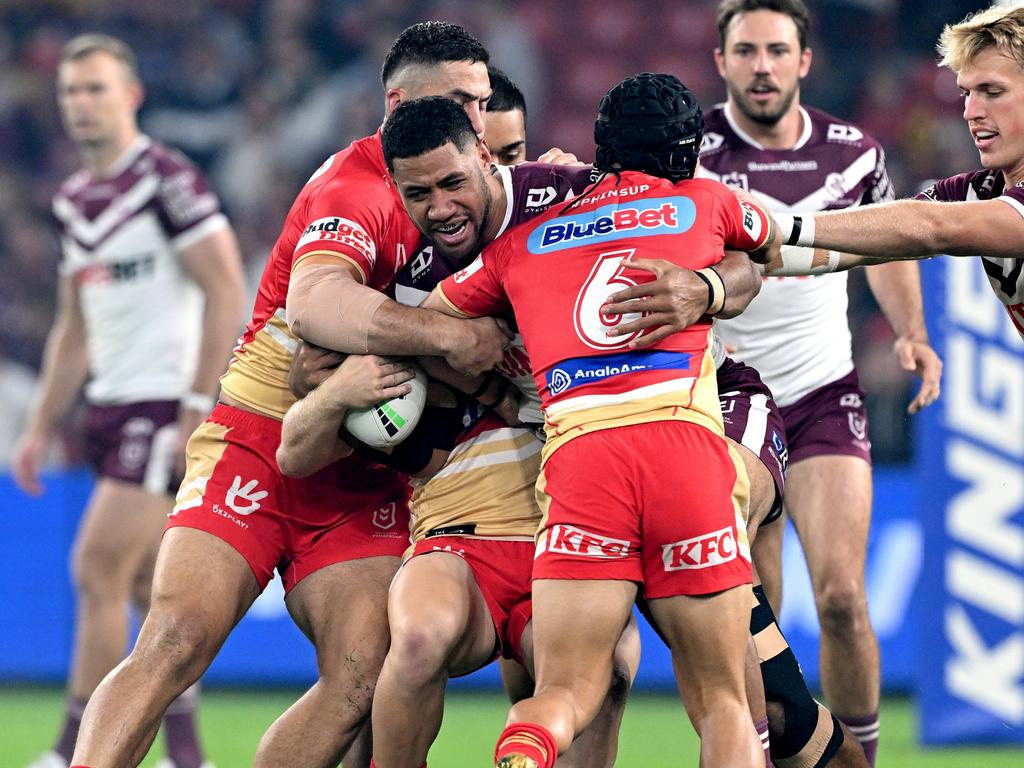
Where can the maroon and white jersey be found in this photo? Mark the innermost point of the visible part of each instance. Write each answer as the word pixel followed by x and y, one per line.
pixel 1005 275
pixel 530 189
pixel 795 333
pixel 121 236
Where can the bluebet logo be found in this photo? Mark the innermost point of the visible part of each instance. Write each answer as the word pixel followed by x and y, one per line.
pixel 586 370
pixel 639 218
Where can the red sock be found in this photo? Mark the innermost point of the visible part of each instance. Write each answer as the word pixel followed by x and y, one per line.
pixel 529 739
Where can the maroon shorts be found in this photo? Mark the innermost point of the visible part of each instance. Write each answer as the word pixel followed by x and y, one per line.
pixel 234 490
pixel 134 443
pixel 829 421
pixel 660 504
pixel 753 420
pixel 502 570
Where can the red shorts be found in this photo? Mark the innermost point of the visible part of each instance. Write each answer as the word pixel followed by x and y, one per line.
pixel 661 504
pixel 234 490
pixel 502 569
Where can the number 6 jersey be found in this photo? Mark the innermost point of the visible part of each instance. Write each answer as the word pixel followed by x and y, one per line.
pixel 557 271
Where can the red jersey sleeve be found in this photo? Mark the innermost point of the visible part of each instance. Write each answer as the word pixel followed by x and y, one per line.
pixel 348 218
pixel 478 289
pixel 745 227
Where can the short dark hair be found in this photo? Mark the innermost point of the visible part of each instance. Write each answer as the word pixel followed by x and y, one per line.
pixel 795 9
pixel 420 125
pixel 505 95
pixel 432 42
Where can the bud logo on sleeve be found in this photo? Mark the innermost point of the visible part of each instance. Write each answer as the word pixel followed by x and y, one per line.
pixel 341 231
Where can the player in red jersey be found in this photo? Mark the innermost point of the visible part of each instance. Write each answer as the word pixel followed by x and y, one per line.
pixel 972 214
pixel 612 416
pixel 335 537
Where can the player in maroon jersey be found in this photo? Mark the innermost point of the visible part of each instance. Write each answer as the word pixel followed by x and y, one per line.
pixel 597 395
pixel 971 214
pixel 144 243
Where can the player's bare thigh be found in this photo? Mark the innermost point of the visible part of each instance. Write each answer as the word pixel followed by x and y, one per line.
pixel 829 501
pixel 762 488
pixel 119 533
pixel 437 612
pixel 342 610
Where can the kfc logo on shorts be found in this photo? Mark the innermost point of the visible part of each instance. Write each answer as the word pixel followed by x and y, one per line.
pixel 570 540
pixel 340 231
pixel 386 517
pixel 704 551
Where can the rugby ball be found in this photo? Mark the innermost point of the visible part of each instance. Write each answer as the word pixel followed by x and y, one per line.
pixel 389 422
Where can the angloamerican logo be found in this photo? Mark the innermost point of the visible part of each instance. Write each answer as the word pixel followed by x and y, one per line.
pixel 584 370
pixel 637 218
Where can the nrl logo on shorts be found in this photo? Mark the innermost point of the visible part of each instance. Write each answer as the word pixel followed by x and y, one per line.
pixel 386 517
pixel 858 426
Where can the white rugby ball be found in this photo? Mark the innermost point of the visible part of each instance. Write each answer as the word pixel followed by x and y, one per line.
pixel 391 421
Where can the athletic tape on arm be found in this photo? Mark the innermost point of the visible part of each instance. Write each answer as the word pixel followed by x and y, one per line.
pixel 801 260
pixel 328 307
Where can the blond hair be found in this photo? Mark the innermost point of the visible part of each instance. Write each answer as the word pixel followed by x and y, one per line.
pixel 1000 27
pixel 94 42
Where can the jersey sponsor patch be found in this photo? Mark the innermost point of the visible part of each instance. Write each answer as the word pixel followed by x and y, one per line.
pixel 753 221
pixel 704 551
pixel 586 370
pixel 640 218
pixel 340 231
pixel 474 266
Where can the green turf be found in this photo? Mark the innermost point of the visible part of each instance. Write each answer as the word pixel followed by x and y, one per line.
pixel 655 733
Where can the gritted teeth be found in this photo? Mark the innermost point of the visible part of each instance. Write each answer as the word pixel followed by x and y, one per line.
pixel 451 227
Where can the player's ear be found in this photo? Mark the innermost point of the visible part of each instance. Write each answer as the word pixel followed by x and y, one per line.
pixel 484 153
pixel 392 99
pixel 805 62
pixel 720 61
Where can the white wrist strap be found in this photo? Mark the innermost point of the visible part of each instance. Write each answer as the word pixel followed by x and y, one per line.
pixel 197 401
pixel 795 230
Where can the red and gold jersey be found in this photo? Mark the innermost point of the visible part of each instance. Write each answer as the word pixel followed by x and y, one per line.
pixel 348 209
pixel 557 271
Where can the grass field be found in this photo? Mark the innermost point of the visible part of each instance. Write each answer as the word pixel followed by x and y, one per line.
pixel 655 733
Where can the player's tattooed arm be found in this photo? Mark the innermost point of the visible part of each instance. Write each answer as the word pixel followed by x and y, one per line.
pixel 309 434
pixel 679 297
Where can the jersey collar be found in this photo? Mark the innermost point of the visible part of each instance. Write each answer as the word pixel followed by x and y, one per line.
pixel 130 155
pixel 506 180
pixel 805 133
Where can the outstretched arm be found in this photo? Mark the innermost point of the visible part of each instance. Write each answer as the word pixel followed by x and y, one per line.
pixel 910 229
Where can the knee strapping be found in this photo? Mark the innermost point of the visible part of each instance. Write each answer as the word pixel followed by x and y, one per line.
pixel 807 736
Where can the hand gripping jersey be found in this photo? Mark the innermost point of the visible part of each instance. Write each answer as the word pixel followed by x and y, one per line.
pixel 488 480
pixel 795 332
pixel 121 236
pixel 1005 275
pixel 557 271
pixel 349 209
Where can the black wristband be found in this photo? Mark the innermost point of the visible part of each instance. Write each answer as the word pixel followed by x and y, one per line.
pixel 794 234
pixel 711 290
pixel 488 378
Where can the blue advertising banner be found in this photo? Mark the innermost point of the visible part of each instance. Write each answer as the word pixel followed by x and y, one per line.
pixel 267 649
pixel 971 665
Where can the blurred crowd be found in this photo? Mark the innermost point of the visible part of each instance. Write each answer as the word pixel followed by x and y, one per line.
pixel 258 92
